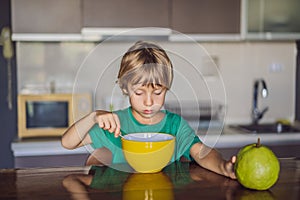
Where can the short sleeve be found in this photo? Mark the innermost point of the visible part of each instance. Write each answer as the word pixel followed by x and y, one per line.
pixel 102 138
pixel 95 133
pixel 185 139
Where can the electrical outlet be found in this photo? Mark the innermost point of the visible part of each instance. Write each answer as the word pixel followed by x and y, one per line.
pixel 276 68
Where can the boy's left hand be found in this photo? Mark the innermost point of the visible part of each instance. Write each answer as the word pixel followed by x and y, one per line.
pixel 229 167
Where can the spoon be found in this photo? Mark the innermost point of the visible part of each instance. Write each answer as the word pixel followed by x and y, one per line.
pixel 121 134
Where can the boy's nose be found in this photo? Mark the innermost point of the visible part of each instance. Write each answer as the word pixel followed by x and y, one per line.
pixel 148 100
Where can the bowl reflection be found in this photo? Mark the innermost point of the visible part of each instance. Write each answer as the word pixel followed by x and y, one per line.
pixel 148 186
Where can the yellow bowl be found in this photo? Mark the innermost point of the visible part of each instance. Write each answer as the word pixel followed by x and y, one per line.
pixel 148 152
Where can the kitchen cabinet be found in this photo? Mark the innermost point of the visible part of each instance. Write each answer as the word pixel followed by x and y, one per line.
pixel 281 151
pixel 206 16
pixel 128 14
pixel 231 141
pixel 47 17
pixel 272 19
pixel 47 152
pixel 204 20
pixel 50 161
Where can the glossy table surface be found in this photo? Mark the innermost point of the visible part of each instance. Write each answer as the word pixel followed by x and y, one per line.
pixel 176 181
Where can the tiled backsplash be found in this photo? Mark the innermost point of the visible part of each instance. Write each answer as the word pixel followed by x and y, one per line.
pixel 88 67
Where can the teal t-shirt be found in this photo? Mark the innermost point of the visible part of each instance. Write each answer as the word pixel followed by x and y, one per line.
pixel 172 124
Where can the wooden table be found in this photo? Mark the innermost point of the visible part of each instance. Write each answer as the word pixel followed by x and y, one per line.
pixel 177 181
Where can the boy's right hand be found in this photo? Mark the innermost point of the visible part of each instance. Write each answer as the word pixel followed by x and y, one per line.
pixel 108 121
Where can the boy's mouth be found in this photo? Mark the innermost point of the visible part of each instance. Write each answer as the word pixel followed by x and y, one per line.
pixel 148 111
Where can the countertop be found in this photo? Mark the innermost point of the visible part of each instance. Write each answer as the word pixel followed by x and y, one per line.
pixel 44 147
pixel 227 138
pixel 230 137
pixel 176 181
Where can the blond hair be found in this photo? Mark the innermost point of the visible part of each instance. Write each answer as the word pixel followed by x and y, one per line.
pixel 145 63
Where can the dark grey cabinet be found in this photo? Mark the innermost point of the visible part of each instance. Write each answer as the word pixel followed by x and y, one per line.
pixel 128 14
pixel 45 16
pixel 269 19
pixel 70 16
pixel 51 161
pixel 206 16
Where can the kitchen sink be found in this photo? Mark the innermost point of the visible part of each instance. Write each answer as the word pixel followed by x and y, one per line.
pixel 266 128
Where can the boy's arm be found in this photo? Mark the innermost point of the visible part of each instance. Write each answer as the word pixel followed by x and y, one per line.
pixel 77 134
pixel 212 160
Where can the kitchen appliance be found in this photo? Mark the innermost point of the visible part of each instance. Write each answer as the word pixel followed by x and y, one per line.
pixel 201 115
pixel 46 115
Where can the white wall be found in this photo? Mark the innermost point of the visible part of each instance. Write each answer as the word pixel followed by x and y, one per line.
pixel 87 67
pixel 242 63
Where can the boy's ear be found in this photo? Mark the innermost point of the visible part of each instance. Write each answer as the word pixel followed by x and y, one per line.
pixel 125 91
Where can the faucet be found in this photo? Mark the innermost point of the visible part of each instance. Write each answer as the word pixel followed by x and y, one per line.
pixel 256 113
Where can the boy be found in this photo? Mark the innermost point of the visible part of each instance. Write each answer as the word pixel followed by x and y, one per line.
pixel 145 75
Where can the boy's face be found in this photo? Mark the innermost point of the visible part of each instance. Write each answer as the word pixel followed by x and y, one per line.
pixel 146 102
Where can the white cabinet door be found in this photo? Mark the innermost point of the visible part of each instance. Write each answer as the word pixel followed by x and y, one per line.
pixel 272 19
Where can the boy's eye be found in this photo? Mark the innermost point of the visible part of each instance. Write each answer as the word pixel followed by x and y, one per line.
pixel 138 92
pixel 157 92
